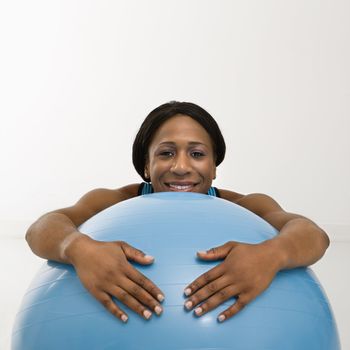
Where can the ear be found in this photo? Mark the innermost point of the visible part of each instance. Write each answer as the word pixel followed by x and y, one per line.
pixel 214 174
pixel 146 172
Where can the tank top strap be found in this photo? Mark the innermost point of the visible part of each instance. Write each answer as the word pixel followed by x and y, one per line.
pixel 145 188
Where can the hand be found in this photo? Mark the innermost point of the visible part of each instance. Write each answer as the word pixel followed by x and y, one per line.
pixel 104 270
pixel 247 270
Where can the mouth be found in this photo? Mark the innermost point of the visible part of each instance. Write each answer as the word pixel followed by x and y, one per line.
pixel 181 187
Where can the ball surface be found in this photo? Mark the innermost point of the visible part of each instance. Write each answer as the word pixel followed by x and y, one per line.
pixel 58 313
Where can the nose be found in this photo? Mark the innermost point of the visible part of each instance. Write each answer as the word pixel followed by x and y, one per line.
pixel 181 164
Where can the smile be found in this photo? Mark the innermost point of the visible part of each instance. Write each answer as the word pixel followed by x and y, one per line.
pixel 180 187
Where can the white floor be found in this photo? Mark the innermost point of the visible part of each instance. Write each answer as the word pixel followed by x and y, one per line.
pixel 18 265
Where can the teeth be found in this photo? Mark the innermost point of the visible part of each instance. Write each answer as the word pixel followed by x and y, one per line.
pixel 180 187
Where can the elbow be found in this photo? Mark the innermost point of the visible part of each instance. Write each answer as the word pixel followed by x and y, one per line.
pixel 317 231
pixel 322 240
pixel 325 239
pixel 29 234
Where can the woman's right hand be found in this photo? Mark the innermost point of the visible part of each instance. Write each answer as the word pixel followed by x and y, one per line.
pixel 104 270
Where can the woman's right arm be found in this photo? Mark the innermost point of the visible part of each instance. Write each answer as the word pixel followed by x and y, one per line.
pixel 103 267
pixel 51 235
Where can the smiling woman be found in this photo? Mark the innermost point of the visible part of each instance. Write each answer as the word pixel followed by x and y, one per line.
pixel 205 126
pixel 177 148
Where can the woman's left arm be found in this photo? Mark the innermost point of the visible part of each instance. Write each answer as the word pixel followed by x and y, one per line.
pixel 300 240
pixel 248 269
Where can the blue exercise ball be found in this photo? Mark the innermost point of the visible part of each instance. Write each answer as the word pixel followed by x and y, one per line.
pixel 58 313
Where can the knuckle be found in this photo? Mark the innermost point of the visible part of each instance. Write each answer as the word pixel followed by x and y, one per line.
pixel 123 297
pixel 141 282
pixel 153 290
pixel 223 294
pixel 213 250
pixel 232 290
pixel 139 253
pixel 151 302
pixel 135 290
pixel 212 287
pixel 106 302
pixel 113 308
pixel 207 276
pixel 241 303
pixel 116 312
pixel 147 283
pixel 92 287
pixel 194 286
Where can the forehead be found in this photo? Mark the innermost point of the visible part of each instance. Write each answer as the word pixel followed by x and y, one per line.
pixel 181 128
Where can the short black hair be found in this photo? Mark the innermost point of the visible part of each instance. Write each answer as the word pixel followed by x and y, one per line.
pixel 160 115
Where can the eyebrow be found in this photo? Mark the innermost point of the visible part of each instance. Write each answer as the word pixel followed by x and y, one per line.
pixel 192 143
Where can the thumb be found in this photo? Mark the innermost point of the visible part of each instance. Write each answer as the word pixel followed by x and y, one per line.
pixel 216 253
pixel 136 255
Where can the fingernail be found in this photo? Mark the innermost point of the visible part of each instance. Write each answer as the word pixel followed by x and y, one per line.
pixel 202 252
pixel 187 291
pixel 158 310
pixel 198 311
pixel 188 305
pixel 221 318
pixel 124 318
pixel 160 297
pixel 147 314
pixel 149 257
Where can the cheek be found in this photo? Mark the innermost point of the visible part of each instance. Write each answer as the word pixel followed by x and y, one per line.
pixel 158 167
pixel 206 171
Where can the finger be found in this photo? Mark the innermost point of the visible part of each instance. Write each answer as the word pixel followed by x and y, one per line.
pixel 216 299
pixel 240 304
pixel 207 291
pixel 128 300
pixel 145 283
pixel 216 253
pixel 136 255
pixel 143 297
pixel 106 300
pixel 204 279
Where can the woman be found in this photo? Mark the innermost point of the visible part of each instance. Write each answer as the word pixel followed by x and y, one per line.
pixel 177 148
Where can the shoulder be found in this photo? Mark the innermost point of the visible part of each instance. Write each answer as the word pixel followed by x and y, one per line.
pixel 111 196
pixel 230 195
pixel 258 203
pixel 97 200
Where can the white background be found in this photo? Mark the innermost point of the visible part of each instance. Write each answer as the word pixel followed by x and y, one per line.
pixel 78 77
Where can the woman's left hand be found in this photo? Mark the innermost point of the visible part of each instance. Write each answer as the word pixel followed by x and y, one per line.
pixel 247 270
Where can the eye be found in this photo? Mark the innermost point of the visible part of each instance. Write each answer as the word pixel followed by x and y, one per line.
pixel 197 154
pixel 166 154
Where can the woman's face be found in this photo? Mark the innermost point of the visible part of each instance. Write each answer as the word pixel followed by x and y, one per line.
pixel 181 157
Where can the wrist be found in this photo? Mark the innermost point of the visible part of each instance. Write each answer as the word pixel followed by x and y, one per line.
pixel 71 246
pixel 277 250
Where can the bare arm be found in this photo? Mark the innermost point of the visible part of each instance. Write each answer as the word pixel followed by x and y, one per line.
pixel 51 236
pixel 248 269
pixel 300 241
pixel 102 267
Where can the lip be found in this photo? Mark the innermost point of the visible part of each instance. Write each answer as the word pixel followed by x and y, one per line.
pixel 178 186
